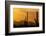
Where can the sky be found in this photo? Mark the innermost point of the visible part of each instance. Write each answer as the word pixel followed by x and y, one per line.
pixel 20 14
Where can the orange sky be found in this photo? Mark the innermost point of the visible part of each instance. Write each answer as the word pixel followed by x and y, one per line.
pixel 20 13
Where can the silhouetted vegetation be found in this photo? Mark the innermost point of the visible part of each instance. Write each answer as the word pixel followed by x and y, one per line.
pixel 26 24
